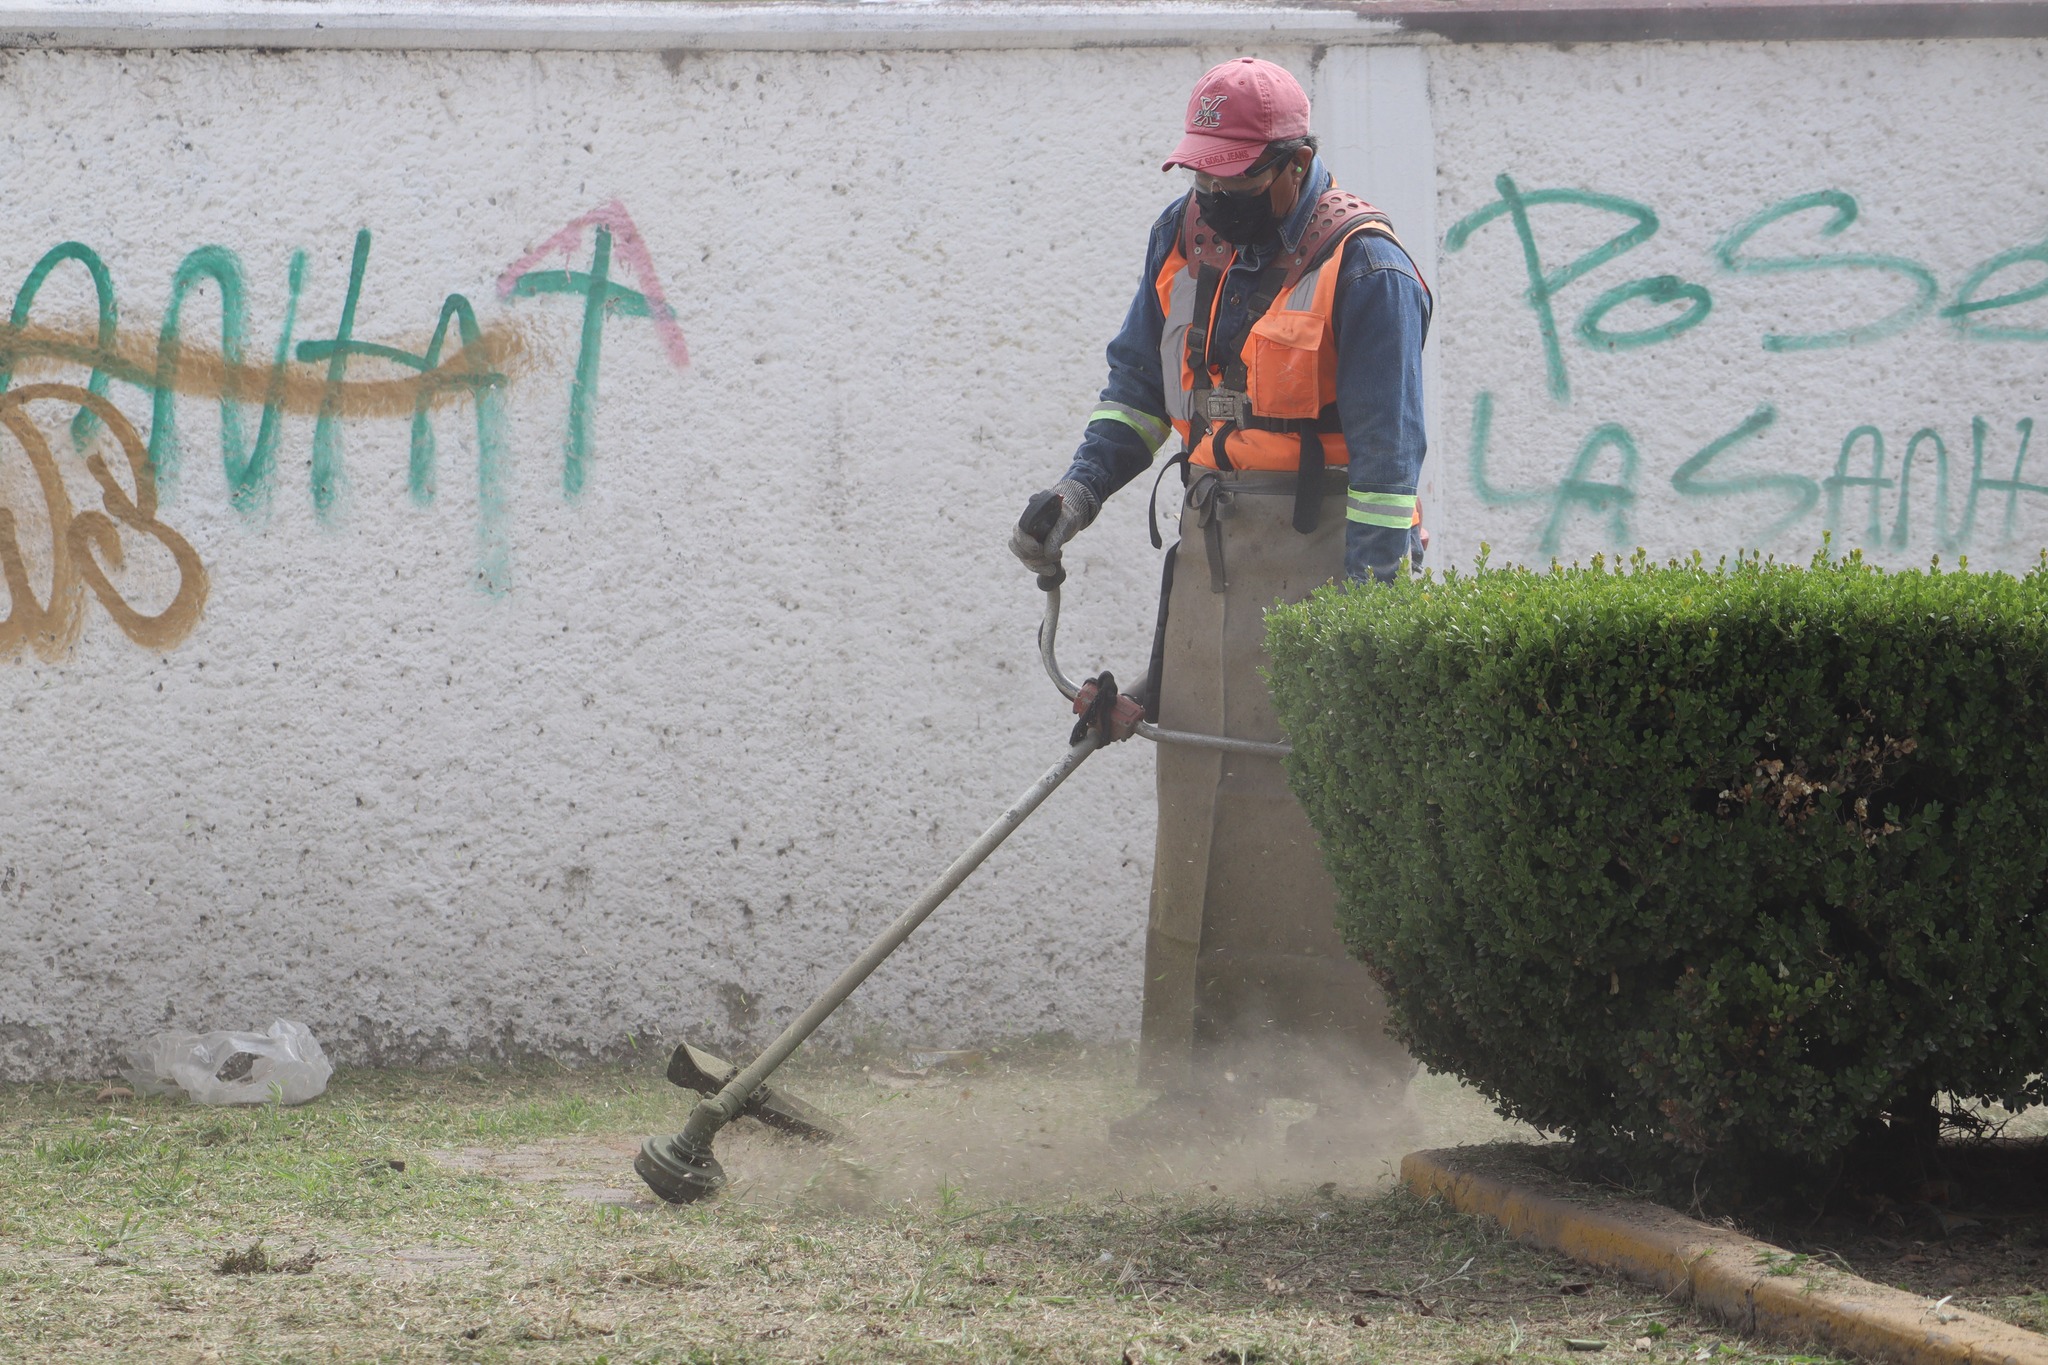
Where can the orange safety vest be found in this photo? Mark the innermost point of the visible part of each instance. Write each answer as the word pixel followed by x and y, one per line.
pixel 1267 405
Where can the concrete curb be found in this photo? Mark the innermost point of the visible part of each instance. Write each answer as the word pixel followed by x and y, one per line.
pixel 1727 1274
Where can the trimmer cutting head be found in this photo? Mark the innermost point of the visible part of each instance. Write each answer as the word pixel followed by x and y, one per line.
pixel 679 1171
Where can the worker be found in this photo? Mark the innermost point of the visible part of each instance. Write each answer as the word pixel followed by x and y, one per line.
pixel 1277 332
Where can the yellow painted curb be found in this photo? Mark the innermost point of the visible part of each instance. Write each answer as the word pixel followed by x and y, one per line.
pixel 1752 1286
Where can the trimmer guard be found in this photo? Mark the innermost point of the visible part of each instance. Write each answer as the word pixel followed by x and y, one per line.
pixel 693 1068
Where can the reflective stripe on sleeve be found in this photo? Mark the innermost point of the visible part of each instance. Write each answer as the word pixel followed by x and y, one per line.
pixel 1153 429
pixel 1381 509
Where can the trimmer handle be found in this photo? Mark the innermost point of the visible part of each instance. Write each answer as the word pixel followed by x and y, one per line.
pixel 1041 514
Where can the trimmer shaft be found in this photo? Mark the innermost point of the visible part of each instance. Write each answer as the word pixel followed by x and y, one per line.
pixel 681 1169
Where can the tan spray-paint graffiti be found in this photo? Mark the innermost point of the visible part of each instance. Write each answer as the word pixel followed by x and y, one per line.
pixel 83 544
pixel 303 389
pixel 460 362
pixel 51 627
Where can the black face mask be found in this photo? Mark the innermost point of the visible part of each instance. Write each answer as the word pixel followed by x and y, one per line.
pixel 1240 219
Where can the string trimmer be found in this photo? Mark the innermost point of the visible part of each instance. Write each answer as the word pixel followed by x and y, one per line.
pixel 682 1169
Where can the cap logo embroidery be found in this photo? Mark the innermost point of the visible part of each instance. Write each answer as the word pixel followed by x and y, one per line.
pixel 1210 115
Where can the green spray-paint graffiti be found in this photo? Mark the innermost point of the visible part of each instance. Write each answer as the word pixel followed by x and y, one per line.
pixel 248 471
pixel 1599 489
pixel 1842 212
pixel 313 376
pixel 1545 285
pixel 482 383
pixel 105 331
pixel 1773 502
pixel 1970 311
pixel 1948 536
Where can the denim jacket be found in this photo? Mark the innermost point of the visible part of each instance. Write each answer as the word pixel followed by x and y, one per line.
pixel 1382 318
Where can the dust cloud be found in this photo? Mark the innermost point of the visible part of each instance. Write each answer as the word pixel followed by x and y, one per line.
pixel 1035 1126
pixel 1080 1128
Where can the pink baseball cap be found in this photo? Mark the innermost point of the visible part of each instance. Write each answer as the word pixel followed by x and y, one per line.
pixel 1238 108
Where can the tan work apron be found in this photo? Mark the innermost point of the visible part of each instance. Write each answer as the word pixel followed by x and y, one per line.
pixel 1247 984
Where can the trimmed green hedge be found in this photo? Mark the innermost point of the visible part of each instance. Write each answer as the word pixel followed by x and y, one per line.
pixel 1723 872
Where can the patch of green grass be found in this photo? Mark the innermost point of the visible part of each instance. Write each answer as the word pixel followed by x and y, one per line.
pixel 72 1151
pixel 2029 1311
pixel 546 1118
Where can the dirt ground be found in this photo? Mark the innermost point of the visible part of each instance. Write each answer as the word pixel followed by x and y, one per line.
pixel 980 1214
pixel 1976 1233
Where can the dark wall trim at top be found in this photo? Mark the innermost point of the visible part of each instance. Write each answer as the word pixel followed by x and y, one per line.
pixel 1622 21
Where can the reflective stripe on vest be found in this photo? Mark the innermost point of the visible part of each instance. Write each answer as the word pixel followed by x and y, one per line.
pixel 1177 301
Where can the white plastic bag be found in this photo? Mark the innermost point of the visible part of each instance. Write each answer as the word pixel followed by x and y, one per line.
pixel 286 1065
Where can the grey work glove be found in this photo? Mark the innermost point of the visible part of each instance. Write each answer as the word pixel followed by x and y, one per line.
pixel 1077 509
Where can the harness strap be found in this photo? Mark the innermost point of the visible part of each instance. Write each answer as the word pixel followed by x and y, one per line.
pixel 1155 672
pixel 1207 498
pixel 1219 445
pixel 1337 215
pixel 1324 421
pixel 1200 343
pixel 1308 484
pixel 1235 373
pixel 1152 510
pixel 1208 284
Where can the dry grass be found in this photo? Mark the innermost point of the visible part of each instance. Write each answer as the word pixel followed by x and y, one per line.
pixel 980 1216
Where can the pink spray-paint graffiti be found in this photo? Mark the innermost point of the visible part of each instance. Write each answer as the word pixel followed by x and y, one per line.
pixel 613 227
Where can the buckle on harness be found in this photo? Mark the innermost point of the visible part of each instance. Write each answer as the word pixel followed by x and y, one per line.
pixel 1226 405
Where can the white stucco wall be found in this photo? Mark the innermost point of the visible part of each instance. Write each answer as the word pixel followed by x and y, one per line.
pixel 543 771
pixel 1930 155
